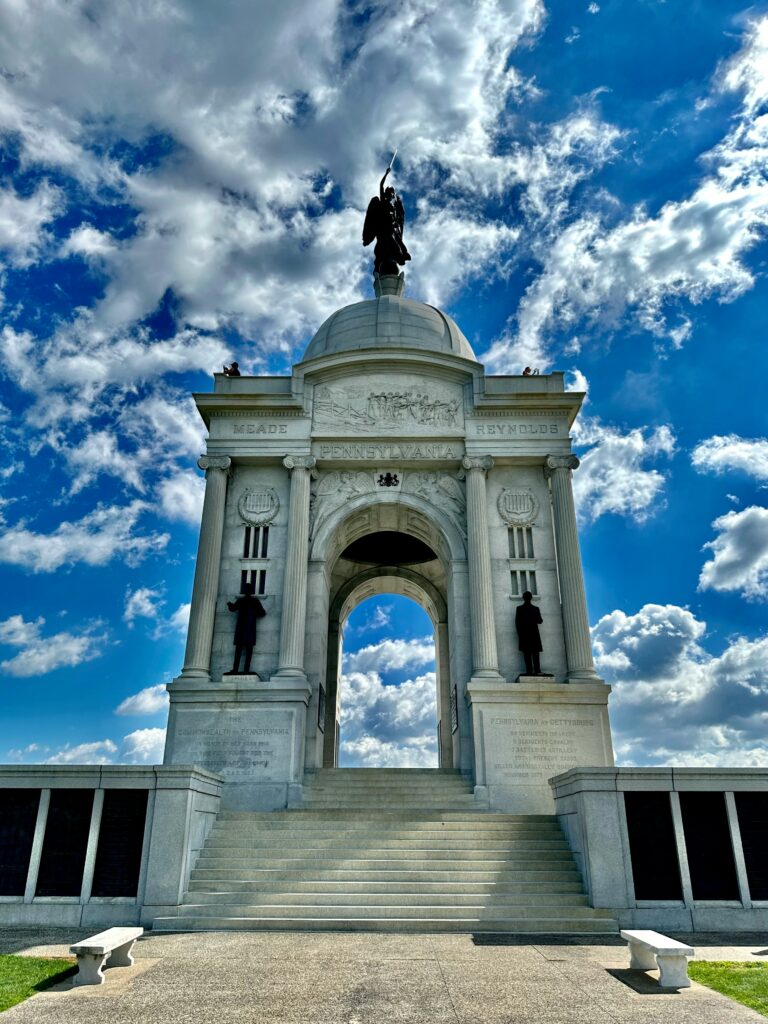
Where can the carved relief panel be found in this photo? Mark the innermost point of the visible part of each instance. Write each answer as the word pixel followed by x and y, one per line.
pixel 388 404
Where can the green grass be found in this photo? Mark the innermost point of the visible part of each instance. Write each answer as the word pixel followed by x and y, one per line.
pixel 22 976
pixel 747 983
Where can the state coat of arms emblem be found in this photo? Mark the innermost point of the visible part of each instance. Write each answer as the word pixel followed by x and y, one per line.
pixel 518 508
pixel 258 505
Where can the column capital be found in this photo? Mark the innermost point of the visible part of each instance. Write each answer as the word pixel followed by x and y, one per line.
pixel 483 462
pixel 555 462
pixel 207 462
pixel 299 462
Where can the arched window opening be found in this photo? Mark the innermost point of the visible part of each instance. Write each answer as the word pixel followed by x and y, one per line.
pixel 388 706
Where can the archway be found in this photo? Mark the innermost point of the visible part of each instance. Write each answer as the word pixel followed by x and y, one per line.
pixel 387 686
pixel 379 544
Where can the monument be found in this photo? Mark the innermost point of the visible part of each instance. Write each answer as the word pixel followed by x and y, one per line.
pixel 389 429
pixel 386 462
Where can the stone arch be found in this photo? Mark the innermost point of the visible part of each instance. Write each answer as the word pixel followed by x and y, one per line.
pixel 404 513
pixel 408 583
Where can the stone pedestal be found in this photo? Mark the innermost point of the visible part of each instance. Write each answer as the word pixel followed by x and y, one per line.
pixel 248 730
pixel 528 731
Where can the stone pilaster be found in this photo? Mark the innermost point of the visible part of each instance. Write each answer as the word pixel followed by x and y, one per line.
pixel 197 658
pixel 485 658
pixel 578 646
pixel 293 622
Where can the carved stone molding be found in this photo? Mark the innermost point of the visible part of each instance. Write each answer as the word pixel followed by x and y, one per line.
pixel 555 462
pixel 206 462
pixel 518 508
pixel 333 489
pixel 484 462
pixel 258 506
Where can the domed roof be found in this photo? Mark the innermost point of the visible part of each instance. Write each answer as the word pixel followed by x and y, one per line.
pixel 389 321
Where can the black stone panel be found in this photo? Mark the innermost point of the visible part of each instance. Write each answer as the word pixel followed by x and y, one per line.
pixel 752 812
pixel 65 843
pixel 708 844
pixel 18 814
pixel 121 837
pixel 655 869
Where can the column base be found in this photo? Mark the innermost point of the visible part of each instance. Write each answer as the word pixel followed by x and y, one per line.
pixel 584 676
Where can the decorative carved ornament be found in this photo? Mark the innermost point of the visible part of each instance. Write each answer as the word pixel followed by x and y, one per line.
pixel 518 508
pixel 441 490
pixel 555 462
pixel 206 462
pixel 258 506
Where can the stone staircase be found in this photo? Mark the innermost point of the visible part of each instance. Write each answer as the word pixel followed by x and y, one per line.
pixel 387 850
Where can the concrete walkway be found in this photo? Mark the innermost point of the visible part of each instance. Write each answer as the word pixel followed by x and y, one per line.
pixel 329 978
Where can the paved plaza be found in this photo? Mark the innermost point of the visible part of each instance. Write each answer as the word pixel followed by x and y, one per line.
pixel 332 978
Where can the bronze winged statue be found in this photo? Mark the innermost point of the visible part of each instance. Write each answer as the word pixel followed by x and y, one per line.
pixel 384 221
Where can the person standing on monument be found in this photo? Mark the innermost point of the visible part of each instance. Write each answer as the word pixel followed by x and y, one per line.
pixel 527 621
pixel 249 608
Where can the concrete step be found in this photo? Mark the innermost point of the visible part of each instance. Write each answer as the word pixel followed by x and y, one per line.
pixel 384 851
pixel 423 925
pixel 322 873
pixel 285 896
pixel 312 886
pixel 372 863
pixel 332 826
pixel 403 911
pixel 340 814
pixel 338 846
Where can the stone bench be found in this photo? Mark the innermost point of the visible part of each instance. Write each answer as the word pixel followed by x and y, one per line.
pixel 649 950
pixel 115 943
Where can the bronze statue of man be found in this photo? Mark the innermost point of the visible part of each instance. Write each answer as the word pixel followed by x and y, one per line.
pixel 527 622
pixel 384 221
pixel 249 608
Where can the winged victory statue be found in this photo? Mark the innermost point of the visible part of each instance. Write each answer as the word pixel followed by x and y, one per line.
pixel 384 221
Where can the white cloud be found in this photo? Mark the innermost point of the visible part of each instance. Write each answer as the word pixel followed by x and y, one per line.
pixel 144 746
pixel 22 221
pixel 614 476
pixel 144 602
pixel 181 497
pixel 39 654
pixel 675 703
pixel 388 726
pixel 89 242
pixel 98 752
pixel 149 701
pixel 388 655
pixel 96 539
pixel 740 559
pixel 179 621
pixel 99 452
pixel 722 453
pixel 692 248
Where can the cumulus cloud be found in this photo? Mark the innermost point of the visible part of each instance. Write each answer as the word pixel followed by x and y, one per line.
pixel 144 602
pixel 740 554
pixel 148 701
pixel 101 535
pixel 181 497
pixel 387 655
pixel 22 221
pixel 144 746
pixel 388 726
pixel 98 752
pixel 724 453
pixel 675 703
pixel 40 654
pixel 690 249
pixel 615 476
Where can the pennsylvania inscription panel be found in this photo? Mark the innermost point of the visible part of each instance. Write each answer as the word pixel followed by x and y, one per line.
pixel 241 745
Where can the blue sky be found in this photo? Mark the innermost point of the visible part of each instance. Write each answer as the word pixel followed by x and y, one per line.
pixel 184 183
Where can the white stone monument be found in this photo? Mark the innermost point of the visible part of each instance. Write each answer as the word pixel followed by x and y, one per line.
pixel 389 429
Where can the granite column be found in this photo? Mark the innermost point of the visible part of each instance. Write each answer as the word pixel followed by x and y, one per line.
pixel 485 659
pixel 197 658
pixel 294 616
pixel 578 646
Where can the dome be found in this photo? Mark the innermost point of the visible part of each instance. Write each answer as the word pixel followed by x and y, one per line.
pixel 391 322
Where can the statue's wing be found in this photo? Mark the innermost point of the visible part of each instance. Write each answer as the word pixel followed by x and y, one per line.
pixel 452 488
pixel 328 484
pixel 400 213
pixel 371 225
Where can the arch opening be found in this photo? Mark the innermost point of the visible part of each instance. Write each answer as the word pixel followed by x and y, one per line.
pixel 388 701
